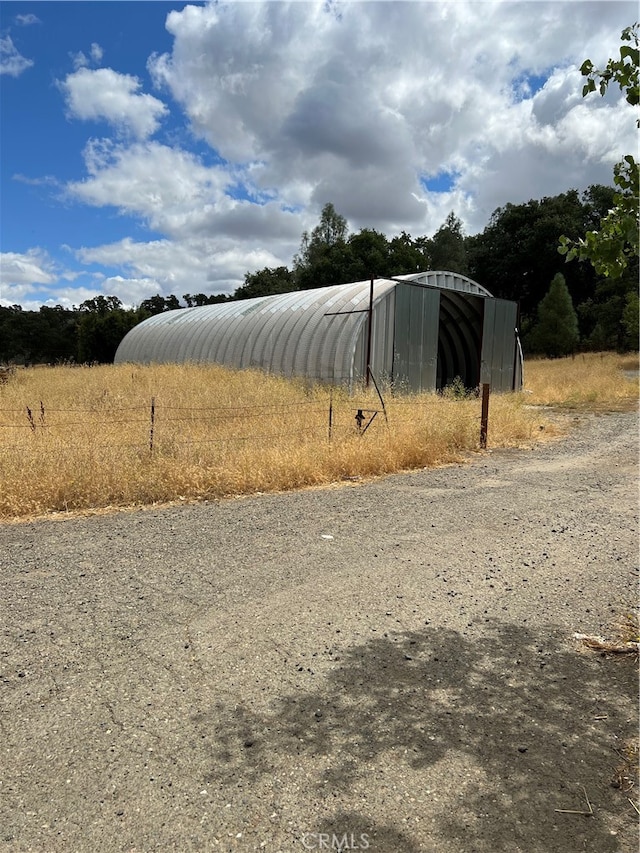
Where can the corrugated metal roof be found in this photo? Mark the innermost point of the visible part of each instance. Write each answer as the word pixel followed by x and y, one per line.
pixel 320 334
pixel 447 281
pixel 299 333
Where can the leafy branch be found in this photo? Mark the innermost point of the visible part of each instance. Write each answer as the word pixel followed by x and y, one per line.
pixel 615 244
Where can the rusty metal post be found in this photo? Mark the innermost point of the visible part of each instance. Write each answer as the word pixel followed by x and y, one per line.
pixel 369 335
pixel 484 418
pixel 153 423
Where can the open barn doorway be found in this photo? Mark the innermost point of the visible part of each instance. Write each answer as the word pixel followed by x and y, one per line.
pixel 460 325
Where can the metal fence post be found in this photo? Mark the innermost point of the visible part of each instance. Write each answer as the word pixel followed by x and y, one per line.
pixel 484 418
pixel 153 423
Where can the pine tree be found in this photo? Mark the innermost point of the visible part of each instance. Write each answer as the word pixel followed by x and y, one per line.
pixel 447 247
pixel 556 332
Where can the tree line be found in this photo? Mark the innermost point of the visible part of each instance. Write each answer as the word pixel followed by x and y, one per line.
pixel 515 257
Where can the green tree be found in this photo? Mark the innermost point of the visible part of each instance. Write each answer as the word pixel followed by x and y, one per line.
pixel 331 229
pixel 46 336
pixel 324 256
pixel 447 247
pixel 198 299
pixel 369 255
pixel 556 332
pixel 407 255
pixel 630 321
pixel 57 332
pixel 516 255
pixel 103 323
pixel 611 248
pixel 602 316
pixel 101 304
pixel 266 282
pixel 158 304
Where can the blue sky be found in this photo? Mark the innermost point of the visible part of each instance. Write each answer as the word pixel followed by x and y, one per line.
pixel 171 148
pixel 38 140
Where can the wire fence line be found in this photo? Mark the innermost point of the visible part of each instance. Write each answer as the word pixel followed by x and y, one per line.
pixel 156 424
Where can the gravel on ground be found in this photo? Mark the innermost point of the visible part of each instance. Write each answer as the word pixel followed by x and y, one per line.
pixel 386 665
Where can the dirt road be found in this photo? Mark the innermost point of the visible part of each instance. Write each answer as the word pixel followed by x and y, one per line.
pixel 386 666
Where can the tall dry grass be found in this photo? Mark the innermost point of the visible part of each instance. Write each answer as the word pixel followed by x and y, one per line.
pixel 80 438
pixel 596 381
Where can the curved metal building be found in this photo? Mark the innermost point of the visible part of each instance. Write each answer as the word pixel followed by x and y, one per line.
pixel 417 331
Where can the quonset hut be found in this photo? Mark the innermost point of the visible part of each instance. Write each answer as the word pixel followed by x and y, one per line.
pixel 418 331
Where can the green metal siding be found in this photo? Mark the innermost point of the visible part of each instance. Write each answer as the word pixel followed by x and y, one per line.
pixel 416 337
pixel 499 344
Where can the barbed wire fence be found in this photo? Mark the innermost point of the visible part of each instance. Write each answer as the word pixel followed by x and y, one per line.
pixel 200 425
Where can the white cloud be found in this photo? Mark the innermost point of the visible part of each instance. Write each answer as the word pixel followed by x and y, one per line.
pixel 32 267
pixel 165 186
pixel 300 104
pixel 81 60
pixel 104 94
pixel 22 273
pixel 175 194
pixel 186 266
pixel 41 181
pixel 96 53
pixel 27 20
pixel 130 291
pixel 353 104
pixel 11 61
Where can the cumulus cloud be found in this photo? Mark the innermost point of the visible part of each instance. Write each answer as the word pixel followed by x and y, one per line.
pixel 175 194
pixel 105 94
pixel 294 105
pixel 130 291
pixel 11 60
pixel 22 273
pixel 162 185
pixel 178 267
pixel 356 103
pixel 32 267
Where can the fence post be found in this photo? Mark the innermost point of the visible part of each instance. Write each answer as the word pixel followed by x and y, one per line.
pixel 484 418
pixel 330 412
pixel 153 423
pixel 369 333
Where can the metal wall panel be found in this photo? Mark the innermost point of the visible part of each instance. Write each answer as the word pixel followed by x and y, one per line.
pixel 499 345
pixel 384 333
pixel 382 338
pixel 417 314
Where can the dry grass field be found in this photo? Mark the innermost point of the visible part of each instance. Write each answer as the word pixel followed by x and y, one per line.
pixel 593 381
pixel 89 438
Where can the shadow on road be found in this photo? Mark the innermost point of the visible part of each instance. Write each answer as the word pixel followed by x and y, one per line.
pixel 532 718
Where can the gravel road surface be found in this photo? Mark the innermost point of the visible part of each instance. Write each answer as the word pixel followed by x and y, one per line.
pixel 386 665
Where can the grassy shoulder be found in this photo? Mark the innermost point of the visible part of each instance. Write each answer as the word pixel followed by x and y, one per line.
pixel 82 439
pixel 594 382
